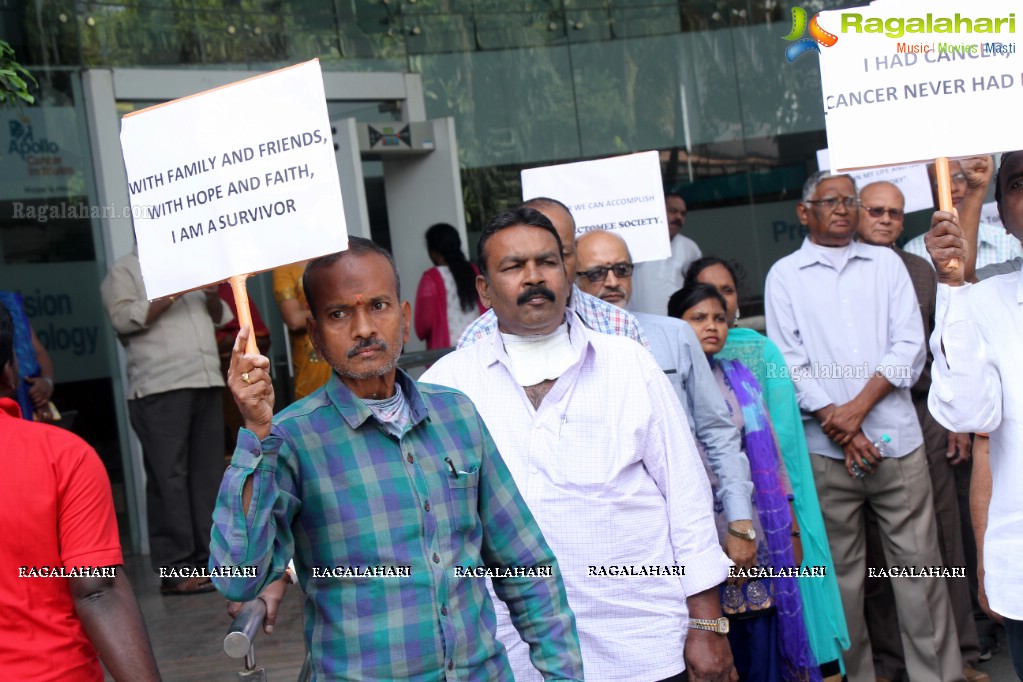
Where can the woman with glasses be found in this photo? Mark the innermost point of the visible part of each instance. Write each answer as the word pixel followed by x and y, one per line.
pixel 767 634
pixel 823 615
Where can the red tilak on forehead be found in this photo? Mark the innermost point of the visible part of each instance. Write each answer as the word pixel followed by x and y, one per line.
pixel 358 299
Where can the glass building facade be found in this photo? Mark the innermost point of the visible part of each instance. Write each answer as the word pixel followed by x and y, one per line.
pixel 528 83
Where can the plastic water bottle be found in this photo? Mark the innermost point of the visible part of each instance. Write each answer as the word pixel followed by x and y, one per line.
pixel 880 444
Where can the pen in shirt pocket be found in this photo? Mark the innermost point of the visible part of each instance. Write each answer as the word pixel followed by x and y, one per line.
pixel 455 473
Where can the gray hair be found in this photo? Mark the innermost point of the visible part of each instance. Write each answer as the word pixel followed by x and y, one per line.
pixel 810 186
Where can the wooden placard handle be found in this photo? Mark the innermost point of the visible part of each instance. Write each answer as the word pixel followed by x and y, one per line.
pixel 241 301
pixel 944 178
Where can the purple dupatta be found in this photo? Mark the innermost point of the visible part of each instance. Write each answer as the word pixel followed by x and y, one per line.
pixel 775 518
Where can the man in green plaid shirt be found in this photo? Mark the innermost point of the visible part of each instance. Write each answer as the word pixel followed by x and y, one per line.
pixel 387 495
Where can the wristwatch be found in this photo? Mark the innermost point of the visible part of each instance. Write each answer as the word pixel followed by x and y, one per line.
pixel 718 625
pixel 750 535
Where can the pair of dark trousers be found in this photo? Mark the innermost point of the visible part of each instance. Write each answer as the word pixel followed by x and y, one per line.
pixel 182 435
pixel 882 620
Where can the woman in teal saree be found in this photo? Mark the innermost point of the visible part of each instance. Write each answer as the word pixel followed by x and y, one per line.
pixel 822 604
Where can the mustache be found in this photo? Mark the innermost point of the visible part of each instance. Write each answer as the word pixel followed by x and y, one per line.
pixel 533 292
pixel 365 344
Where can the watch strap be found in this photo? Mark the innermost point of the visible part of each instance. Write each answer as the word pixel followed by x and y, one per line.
pixel 710 625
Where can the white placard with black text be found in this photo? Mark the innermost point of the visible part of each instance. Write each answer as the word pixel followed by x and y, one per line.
pixel 912 180
pixel 622 194
pixel 234 180
pixel 907 82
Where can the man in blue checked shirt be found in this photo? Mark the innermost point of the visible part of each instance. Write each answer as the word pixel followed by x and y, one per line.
pixel 371 478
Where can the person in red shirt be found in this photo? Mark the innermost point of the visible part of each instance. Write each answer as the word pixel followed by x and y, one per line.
pixel 446 299
pixel 63 592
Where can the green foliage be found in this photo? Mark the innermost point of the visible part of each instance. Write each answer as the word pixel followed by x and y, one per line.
pixel 14 79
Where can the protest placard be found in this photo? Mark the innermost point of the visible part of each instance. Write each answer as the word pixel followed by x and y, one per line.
pixel 235 180
pixel 622 194
pixel 908 81
pixel 911 179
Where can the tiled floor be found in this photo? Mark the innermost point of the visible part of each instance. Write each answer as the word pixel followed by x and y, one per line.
pixel 188 633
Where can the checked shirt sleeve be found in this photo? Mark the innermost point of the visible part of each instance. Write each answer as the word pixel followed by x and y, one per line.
pixel 511 538
pixel 261 538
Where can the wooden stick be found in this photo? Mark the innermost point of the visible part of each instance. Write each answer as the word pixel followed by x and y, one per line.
pixel 944 178
pixel 241 302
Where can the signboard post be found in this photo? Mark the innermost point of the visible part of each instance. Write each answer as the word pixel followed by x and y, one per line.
pixel 232 181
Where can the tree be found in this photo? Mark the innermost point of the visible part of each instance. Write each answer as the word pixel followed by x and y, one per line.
pixel 14 79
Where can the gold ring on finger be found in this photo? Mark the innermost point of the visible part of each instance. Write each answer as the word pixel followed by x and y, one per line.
pixel 245 378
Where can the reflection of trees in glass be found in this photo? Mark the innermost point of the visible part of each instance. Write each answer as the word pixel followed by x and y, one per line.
pixel 777 97
pixel 627 92
pixel 185 32
pixel 485 191
pixel 15 79
pixel 365 34
pixel 510 106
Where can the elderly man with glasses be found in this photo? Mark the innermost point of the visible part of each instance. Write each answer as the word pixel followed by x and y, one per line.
pixel 846 318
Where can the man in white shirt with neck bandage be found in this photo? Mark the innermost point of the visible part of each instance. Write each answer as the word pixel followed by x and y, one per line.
pixel 588 425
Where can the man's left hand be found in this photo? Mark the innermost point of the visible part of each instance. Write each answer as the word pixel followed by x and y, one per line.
pixel 708 657
pixel 40 390
pixel 743 553
pixel 861 452
pixel 978 171
pixel 271 595
pixel 959 448
pixel 844 422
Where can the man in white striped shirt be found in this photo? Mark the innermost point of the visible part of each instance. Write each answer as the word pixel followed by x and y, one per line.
pixel 587 424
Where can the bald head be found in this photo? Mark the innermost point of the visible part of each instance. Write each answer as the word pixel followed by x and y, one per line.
pixel 882 216
pixel 564 223
pixel 600 250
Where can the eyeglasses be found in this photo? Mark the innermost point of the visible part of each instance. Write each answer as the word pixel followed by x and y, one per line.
pixel 599 274
pixel 877 212
pixel 957 179
pixel 831 203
